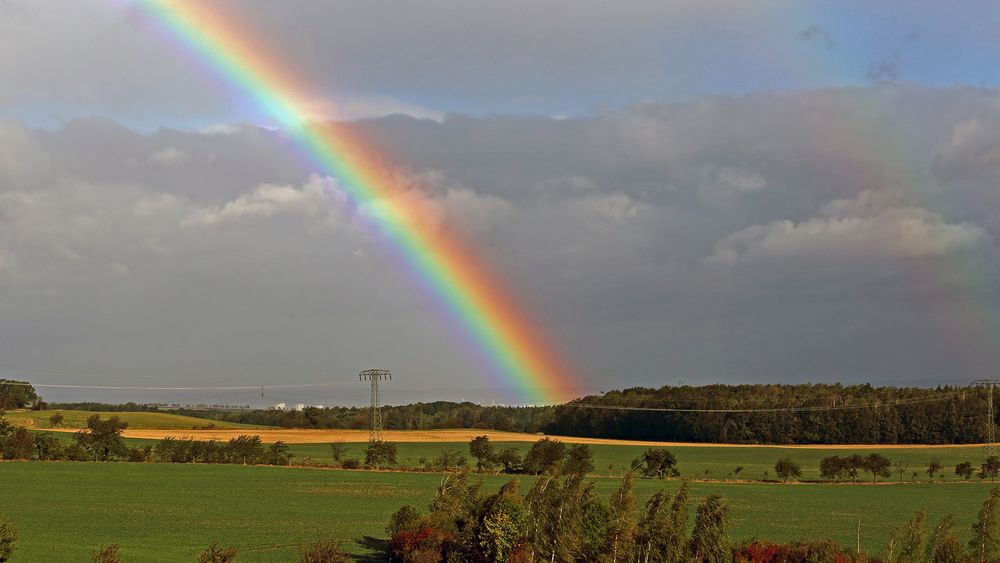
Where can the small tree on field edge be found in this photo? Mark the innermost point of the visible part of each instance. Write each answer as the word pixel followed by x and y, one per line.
pixel 933 468
pixel 878 465
pixel 964 470
pixel 380 454
pixel 337 450
pixel 656 463
pixel 990 468
pixel 481 449
pixel 901 468
pixel 786 468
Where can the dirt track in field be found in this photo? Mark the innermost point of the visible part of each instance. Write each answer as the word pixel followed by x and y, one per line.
pixel 302 436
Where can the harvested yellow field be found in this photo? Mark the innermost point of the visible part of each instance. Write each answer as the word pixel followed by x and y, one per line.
pixel 308 436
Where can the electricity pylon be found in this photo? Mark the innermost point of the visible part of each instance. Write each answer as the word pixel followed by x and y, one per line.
pixel 991 439
pixel 375 376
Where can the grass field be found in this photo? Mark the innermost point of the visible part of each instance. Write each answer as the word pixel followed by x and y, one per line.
pixel 135 420
pixel 720 462
pixel 169 512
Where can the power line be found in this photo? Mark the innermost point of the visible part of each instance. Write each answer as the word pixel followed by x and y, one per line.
pixel 133 388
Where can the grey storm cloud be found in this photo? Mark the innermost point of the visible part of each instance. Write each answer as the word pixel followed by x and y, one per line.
pixel 770 237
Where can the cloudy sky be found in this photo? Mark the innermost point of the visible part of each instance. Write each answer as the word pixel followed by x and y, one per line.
pixel 698 192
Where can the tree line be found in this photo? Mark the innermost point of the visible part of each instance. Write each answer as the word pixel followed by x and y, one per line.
pixel 102 441
pixel 862 414
pixel 855 414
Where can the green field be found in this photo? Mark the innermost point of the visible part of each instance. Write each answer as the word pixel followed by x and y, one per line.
pixel 135 420
pixel 169 512
pixel 693 461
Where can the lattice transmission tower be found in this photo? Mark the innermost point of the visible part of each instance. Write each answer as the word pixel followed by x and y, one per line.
pixel 375 376
pixel 991 431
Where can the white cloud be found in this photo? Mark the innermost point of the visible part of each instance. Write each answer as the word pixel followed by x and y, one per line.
pixel 615 207
pixel 873 224
pixel 169 156
pixel 723 185
pixel 312 200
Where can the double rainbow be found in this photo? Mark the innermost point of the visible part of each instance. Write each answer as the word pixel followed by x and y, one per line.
pixel 477 303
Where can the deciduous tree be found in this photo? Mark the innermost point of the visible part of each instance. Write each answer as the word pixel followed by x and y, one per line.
pixel 103 438
pixel 990 468
pixel 481 449
pixel 964 470
pixel 878 465
pixel 337 450
pixel 906 542
pixel 246 449
pixel 708 540
pixel 545 456
pixel 944 546
pixel 579 460
pixel 985 543
pixel 380 453
pixel 785 468
pixel 933 468
pixel 656 463
pixel 510 460
pixel 622 525
pixel 832 467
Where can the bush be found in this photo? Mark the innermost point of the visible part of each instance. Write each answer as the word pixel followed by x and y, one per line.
pixel 107 554
pixel 380 453
pixel 351 464
pixel 327 551
pixel 417 546
pixel 757 551
pixel 139 453
pixel 8 537
pixel 216 554
pixel 407 518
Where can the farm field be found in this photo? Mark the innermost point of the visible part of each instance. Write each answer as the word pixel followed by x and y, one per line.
pixel 701 461
pixel 136 420
pixel 695 461
pixel 170 512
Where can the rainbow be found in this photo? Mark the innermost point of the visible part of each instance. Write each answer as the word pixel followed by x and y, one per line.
pixel 475 300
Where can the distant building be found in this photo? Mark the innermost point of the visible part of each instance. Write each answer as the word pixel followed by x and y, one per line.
pixel 300 406
pixel 277 407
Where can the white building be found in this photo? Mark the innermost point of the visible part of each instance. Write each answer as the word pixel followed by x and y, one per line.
pixel 278 406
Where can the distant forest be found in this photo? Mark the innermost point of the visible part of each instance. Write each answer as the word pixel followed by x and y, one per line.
pixel 860 414
pixel 856 414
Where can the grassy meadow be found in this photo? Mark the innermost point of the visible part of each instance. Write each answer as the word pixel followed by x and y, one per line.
pixel 694 462
pixel 169 512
